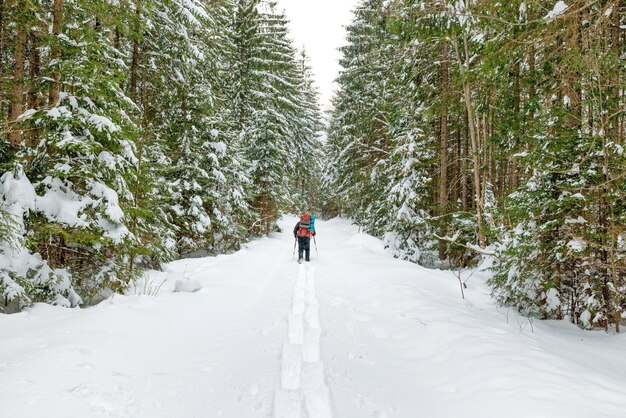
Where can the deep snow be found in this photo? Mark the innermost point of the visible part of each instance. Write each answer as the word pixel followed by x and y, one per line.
pixel 353 334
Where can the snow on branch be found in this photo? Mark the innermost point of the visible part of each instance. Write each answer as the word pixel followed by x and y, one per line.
pixel 469 246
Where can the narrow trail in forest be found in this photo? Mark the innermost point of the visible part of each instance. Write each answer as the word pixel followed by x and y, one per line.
pixel 303 391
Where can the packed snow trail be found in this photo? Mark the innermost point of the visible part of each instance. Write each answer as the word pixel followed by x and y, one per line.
pixel 353 334
pixel 303 383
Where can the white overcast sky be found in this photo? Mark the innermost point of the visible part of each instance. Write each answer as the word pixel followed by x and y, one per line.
pixel 318 25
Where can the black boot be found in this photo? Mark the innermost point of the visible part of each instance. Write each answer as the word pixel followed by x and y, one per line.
pixel 308 255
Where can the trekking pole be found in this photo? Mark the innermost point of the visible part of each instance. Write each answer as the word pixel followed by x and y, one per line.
pixel 295 241
pixel 315 242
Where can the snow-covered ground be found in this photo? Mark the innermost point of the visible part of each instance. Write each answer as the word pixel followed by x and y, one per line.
pixel 353 334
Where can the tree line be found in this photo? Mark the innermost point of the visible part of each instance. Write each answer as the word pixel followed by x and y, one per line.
pixel 135 132
pixel 472 128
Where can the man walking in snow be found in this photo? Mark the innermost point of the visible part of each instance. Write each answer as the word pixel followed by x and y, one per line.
pixel 303 231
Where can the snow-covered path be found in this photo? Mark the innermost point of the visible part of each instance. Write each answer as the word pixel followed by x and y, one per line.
pixel 302 370
pixel 353 334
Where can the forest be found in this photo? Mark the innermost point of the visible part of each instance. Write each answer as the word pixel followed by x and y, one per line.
pixel 137 132
pixel 472 129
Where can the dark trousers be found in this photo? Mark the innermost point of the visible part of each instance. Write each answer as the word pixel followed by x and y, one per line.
pixel 304 245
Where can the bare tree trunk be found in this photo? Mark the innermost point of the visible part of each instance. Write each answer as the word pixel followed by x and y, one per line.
pixel 443 154
pixel 17 92
pixel 532 90
pixel 572 79
pixel 464 157
pixel 117 39
pixel 455 175
pixel 513 176
pixel 57 29
pixel 615 136
pixel 487 169
pixel 134 66
pixel 617 50
pixel 3 92
pixel 34 69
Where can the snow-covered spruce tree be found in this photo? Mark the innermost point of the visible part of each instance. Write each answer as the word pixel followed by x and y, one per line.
pixel 381 138
pixel 415 114
pixel 147 207
pixel 409 234
pixel 268 102
pixel 352 149
pixel 180 59
pixel 175 95
pixel 358 138
pixel 243 91
pixel 307 148
pixel 268 145
pixel 232 213
pixel 68 183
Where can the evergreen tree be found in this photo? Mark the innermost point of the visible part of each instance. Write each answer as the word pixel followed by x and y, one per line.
pixel 360 116
pixel 306 151
pixel 74 162
pixel 270 107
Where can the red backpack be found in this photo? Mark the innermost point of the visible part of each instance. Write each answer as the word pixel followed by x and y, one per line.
pixel 304 228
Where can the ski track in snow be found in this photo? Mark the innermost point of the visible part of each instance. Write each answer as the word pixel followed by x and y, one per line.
pixel 303 392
